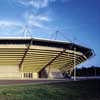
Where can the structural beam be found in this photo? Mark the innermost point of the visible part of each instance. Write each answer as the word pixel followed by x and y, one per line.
pixel 25 53
pixel 52 60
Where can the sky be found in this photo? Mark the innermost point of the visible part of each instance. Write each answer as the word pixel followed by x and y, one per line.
pixel 66 20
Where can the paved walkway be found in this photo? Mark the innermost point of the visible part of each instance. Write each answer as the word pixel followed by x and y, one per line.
pixel 41 81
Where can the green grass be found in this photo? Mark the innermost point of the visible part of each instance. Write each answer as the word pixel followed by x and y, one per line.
pixel 78 90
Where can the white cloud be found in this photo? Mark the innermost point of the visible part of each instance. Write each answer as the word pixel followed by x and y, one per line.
pixel 14 27
pixel 4 23
pixel 44 18
pixel 10 28
pixel 36 20
pixel 38 17
pixel 35 3
pixel 33 23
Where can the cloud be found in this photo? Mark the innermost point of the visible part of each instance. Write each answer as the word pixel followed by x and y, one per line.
pixel 4 23
pixel 33 20
pixel 11 28
pixel 35 3
pixel 43 18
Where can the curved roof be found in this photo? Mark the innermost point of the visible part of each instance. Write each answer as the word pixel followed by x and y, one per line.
pixel 37 54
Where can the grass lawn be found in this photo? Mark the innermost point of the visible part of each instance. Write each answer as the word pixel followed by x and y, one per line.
pixel 78 90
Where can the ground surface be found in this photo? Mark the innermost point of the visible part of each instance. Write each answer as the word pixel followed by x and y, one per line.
pixel 40 81
pixel 78 90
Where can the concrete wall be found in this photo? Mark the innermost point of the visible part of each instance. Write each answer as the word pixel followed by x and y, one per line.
pixel 9 72
pixel 12 72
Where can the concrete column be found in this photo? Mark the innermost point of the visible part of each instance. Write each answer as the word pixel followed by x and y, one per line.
pixel 35 75
pixel 22 75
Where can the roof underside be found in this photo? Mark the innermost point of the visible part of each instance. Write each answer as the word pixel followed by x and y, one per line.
pixel 35 54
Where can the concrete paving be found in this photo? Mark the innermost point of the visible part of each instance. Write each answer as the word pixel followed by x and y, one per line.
pixel 41 81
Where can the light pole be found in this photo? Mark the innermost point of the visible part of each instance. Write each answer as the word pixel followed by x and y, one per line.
pixel 94 71
pixel 74 65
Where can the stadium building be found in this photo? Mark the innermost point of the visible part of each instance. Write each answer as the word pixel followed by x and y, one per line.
pixel 36 58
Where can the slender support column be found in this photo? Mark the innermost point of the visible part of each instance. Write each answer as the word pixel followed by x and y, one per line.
pixel 22 75
pixel 49 71
pixel 74 65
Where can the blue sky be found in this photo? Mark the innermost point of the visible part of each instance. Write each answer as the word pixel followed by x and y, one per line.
pixel 76 20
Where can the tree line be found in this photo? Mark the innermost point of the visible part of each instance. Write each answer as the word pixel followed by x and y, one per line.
pixel 87 71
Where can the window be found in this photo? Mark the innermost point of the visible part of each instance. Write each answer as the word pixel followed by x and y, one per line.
pixel 28 75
